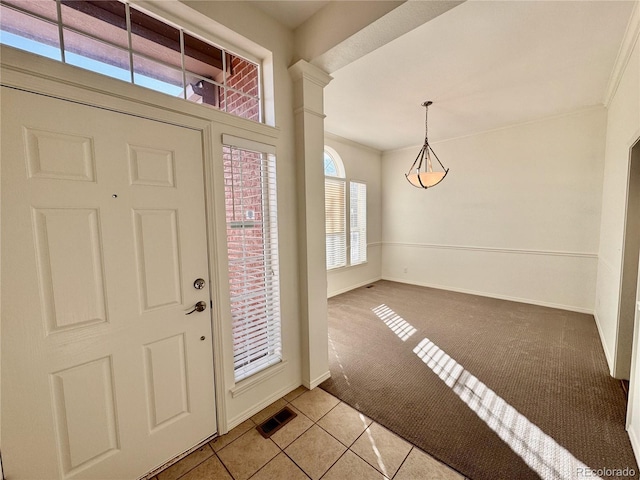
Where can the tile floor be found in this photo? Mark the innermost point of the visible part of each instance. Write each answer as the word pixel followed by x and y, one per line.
pixel 327 440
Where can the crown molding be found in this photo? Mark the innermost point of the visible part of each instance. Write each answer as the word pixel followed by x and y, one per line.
pixel 555 116
pixel 624 54
pixel 347 141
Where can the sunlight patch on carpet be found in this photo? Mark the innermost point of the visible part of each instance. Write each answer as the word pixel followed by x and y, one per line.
pixel 395 322
pixel 335 353
pixel 539 451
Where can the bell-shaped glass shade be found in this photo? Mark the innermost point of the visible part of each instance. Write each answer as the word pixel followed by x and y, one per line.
pixel 425 179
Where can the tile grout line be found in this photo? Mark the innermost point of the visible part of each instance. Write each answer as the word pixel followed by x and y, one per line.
pixel 192 468
pixel 230 443
pixel 313 423
pixel 288 402
pixel 294 462
pixel 347 447
pixel 403 461
pixel 222 463
pixel 320 426
pixel 358 438
pixel 268 462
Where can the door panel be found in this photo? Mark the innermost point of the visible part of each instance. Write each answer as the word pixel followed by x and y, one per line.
pixel 70 273
pixel 84 410
pixel 150 166
pixel 59 156
pixel 103 234
pixel 165 367
pixel 158 256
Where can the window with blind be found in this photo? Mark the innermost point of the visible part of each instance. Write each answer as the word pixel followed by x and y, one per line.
pixel 252 244
pixel 336 205
pixel 336 228
pixel 358 223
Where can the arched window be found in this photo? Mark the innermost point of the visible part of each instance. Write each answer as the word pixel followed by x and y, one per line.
pixel 333 166
pixel 337 205
pixel 335 209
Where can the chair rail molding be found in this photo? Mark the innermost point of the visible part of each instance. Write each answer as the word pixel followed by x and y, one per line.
pixel 518 251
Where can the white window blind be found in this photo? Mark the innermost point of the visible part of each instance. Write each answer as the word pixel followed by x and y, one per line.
pixel 252 243
pixel 358 222
pixel 334 205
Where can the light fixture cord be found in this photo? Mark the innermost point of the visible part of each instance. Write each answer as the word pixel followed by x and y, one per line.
pixel 426 124
pixel 426 137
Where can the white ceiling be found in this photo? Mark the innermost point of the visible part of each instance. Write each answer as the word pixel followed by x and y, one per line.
pixel 484 64
pixel 290 13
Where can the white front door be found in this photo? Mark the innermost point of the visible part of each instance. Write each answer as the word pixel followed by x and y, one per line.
pixel 104 376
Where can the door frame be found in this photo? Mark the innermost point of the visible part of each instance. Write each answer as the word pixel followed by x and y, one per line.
pixel 629 274
pixel 39 75
pixel 634 354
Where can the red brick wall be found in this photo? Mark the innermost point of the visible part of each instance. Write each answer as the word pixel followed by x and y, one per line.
pixel 244 77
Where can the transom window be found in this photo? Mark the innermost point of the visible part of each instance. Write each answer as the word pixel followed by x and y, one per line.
pixel 121 41
pixel 337 204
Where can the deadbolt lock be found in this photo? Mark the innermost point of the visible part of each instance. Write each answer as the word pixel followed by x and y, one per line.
pixel 199 284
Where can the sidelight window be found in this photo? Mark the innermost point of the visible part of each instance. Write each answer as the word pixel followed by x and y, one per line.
pixel 252 244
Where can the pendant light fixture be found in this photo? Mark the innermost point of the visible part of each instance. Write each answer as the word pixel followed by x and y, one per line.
pixel 421 173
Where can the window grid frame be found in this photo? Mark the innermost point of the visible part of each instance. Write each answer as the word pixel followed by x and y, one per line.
pixel 131 52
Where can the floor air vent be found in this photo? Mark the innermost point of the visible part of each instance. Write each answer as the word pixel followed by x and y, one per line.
pixel 275 423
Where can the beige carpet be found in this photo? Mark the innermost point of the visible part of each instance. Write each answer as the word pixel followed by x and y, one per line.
pixel 495 389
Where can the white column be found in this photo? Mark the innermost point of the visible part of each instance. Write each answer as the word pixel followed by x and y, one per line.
pixel 308 84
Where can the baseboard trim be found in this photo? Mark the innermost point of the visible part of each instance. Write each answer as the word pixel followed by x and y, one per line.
pixel 238 419
pixel 570 308
pixel 314 383
pixel 353 287
pixel 635 444
pixel 607 353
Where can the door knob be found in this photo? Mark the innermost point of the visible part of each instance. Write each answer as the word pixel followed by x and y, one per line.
pixel 199 307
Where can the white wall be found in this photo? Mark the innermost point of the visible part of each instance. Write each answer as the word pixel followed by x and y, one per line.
pixel 361 164
pixel 517 217
pixel 623 128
